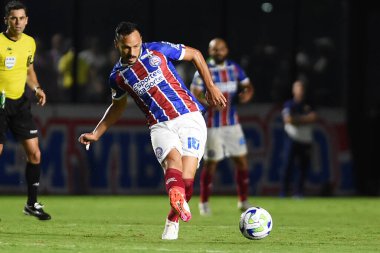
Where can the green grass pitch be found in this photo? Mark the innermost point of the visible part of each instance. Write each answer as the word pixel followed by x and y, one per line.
pixel 135 223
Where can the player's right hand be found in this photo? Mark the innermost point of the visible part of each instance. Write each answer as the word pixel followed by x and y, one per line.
pixel 87 138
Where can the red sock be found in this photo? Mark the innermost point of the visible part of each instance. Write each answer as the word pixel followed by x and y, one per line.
pixel 173 215
pixel 173 178
pixel 205 185
pixel 189 187
pixel 242 181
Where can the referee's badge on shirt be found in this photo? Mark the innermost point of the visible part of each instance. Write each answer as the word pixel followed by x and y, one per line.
pixel 10 62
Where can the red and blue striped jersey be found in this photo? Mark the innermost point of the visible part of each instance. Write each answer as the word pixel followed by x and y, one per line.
pixel 154 83
pixel 227 78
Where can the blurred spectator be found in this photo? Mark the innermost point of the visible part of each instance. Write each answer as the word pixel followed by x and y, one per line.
pixel 66 67
pixel 43 66
pixel 57 49
pixel 49 67
pixel 91 71
pixel 96 60
pixel 298 116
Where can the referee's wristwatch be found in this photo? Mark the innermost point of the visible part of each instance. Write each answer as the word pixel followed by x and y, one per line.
pixel 36 89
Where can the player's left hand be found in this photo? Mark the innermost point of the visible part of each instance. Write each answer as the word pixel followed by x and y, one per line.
pixel 41 97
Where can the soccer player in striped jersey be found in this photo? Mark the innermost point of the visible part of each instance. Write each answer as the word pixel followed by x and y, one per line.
pixel 225 137
pixel 177 128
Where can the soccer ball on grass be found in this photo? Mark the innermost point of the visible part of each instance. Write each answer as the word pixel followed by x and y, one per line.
pixel 255 223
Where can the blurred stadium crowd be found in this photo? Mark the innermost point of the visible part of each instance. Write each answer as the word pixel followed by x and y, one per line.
pixel 275 41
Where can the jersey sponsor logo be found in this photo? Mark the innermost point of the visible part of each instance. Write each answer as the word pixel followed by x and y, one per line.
pixel 154 61
pixel 10 62
pixel 230 86
pixel 172 179
pixel 148 82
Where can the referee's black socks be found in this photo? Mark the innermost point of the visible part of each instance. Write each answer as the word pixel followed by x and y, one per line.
pixel 32 174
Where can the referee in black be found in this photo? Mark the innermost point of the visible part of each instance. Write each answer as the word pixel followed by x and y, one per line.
pixel 16 68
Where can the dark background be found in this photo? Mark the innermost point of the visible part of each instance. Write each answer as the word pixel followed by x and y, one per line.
pixel 332 44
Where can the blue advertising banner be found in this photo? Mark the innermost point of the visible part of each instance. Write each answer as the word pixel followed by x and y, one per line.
pixel 122 161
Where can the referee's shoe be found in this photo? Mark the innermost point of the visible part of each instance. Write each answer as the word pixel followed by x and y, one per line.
pixel 36 211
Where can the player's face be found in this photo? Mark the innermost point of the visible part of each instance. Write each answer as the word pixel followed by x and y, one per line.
pixel 298 90
pixel 16 21
pixel 218 50
pixel 129 47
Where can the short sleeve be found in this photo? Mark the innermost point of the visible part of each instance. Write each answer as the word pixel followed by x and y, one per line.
pixel 33 47
pixel 174 52
pixel 241 76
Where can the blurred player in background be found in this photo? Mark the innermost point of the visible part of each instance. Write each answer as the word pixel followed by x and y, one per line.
pixel 298 116
pixel 177 128
pixel 16 68
pixel 225 137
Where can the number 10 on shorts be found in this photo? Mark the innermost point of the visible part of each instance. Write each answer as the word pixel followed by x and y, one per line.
pixel 192 143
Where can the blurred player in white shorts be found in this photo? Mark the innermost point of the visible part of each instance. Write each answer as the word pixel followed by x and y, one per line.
pixel 225 137
pixel 225 141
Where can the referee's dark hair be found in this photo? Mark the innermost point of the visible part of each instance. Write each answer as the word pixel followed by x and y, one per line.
pixel 125 28
pixel 14 5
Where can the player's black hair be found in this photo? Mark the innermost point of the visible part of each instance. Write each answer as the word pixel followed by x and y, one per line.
pixel 125 28
pixel 14 5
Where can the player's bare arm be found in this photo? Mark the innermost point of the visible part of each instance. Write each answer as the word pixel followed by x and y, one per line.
pixel 246 94
pixel 32 82
pixel 309 118
pixel 112 114
pixel 213 95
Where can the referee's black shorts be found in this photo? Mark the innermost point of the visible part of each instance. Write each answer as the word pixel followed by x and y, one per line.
pixel 17 117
